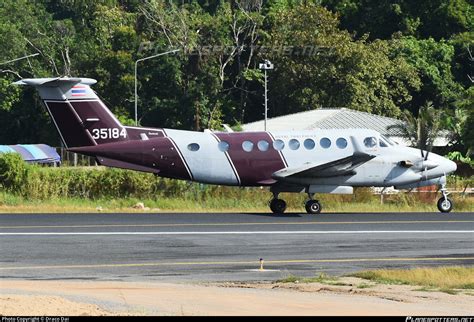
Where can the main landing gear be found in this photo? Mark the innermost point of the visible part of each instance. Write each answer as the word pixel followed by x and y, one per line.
pixel 312 206
pixel 444 203
pixel 278 206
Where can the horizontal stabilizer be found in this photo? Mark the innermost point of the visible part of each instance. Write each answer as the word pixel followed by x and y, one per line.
pixel 55 82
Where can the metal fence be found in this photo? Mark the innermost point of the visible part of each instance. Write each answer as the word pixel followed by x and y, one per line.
pixel 75 160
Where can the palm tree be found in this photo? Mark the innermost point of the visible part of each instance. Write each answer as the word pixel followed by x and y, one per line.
pixel 420 131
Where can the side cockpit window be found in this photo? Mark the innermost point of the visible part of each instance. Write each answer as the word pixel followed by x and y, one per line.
pixel 370 142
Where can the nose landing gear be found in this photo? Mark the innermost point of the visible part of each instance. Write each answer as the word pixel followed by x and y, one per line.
pixel 444 203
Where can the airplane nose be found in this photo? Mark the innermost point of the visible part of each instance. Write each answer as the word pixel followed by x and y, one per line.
pixel 448 166
pixel 452 166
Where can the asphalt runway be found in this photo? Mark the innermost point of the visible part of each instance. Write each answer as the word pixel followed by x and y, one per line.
pixel 225 247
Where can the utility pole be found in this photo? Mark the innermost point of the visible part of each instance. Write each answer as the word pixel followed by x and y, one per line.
pixel 136 67
pixel 266 65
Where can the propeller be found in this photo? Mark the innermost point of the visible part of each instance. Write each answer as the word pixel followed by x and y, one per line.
pixel 425 165
pixel 421 165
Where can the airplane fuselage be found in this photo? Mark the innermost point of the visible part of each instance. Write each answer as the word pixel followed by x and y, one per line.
pixel 251 158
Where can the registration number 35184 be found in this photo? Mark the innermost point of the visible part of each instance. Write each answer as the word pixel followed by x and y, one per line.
pixel 108 133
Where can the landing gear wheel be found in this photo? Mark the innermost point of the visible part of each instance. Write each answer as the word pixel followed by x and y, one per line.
pixel 313 207
pixel 278 206
pixel 445 204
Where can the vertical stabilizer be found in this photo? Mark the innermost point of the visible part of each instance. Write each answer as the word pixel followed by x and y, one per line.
pixel 81 118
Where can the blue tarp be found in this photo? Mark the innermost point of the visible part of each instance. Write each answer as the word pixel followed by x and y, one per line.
pixel 34 153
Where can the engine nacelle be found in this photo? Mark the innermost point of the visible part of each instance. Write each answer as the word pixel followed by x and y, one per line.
pixel 423 183
pixel 344 190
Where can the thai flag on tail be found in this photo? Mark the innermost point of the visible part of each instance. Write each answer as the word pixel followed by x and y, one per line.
pixel 78 90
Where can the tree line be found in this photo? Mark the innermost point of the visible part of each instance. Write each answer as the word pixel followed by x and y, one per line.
pixel 384 57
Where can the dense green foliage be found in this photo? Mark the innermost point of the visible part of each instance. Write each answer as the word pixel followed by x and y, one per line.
pixel 379 56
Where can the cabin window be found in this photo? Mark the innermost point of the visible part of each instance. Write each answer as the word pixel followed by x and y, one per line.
pixel 263 145
pixel 223 146
pixel 294 144
pixel 370 142
pixel 193 147
pixel 325 143
pixel 278 145
pixel 341 143
pixel 247 146
pixel 309 144
pixel 382 144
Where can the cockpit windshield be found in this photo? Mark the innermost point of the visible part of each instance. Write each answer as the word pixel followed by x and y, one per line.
pixel 386 140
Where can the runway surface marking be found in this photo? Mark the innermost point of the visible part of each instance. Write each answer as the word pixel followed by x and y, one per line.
pixel 255 262
pixel 245 224
pixel 296 232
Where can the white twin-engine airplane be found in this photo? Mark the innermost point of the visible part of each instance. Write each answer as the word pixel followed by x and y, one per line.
pixel 319 161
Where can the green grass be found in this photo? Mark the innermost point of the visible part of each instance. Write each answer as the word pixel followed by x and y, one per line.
pixel 242 200
pixel 451 280
pixel 445 279
pixel 321 278
pixel 364 285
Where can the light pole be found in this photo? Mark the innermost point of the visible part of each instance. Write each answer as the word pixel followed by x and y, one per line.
pixel 266 65
pixel 136 66
pixel 13 60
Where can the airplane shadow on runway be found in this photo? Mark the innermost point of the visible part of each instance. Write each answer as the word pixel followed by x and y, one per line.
pixel 264 214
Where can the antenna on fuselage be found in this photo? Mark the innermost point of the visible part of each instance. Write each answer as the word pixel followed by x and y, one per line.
pixel 227 128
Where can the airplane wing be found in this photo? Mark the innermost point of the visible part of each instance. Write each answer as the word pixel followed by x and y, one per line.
pixel 340 167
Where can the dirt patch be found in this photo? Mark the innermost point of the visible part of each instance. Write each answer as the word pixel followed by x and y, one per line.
pixel 18 305
pixel 362 287
pixel 351 297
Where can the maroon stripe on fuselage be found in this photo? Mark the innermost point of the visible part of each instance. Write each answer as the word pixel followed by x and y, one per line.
pixel 163 153
pixel 181 157
pixel 228 159
pixel 158 153
pixel 279 152
pixel 255 168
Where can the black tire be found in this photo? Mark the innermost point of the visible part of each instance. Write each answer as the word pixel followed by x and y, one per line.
pixel 313 207
pixel 278 206
pixel 445 205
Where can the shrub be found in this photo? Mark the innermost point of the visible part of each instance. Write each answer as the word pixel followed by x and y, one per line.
pixel 13 171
